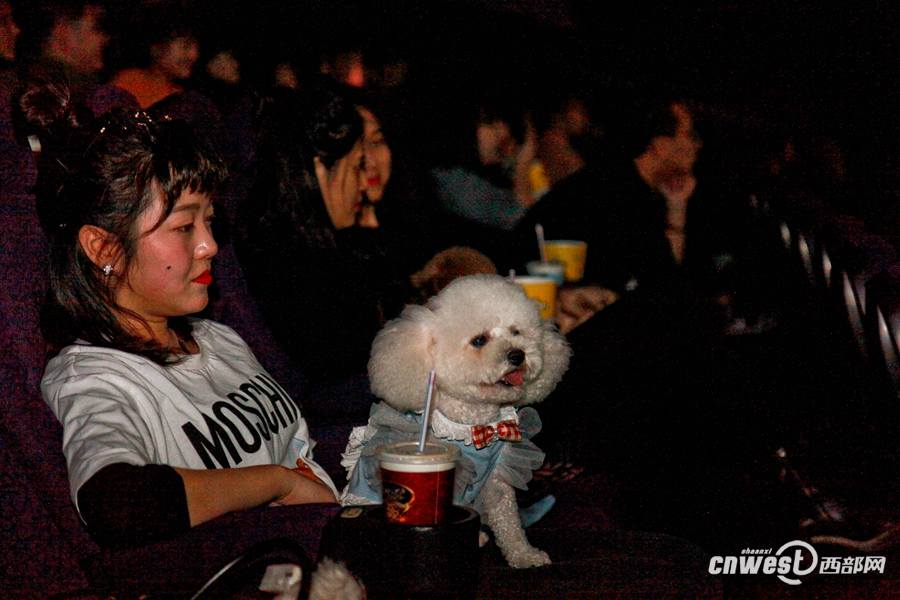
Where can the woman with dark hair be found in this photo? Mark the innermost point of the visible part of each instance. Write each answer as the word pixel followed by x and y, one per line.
pixel 324 280
pixel 138 386
pixel 377 162
pixel 395 194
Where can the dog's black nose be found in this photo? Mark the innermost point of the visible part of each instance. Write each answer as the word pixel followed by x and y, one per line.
pixel 515 357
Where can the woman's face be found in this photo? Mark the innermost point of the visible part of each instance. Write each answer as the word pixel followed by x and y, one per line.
pixel 342 186
pixel 377 156
pixel 176 58
pixel 170 272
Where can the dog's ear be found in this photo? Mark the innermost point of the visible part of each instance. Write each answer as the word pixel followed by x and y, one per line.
pixel 402 355
pixel 556 353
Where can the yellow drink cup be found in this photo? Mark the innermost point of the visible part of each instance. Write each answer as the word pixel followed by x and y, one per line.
pixel 543 291
pixel 570 253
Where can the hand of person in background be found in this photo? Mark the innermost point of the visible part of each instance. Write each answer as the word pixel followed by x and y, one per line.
pixel 577 305
pixel 678 189
pixel 524 157
pixel 367 217
pixel 341 186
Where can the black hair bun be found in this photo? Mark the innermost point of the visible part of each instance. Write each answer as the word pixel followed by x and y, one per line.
pixel 46 109
pixel 46 105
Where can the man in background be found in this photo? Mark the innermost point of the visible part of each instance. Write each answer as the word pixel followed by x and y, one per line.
pixel 631 209
pixel 70 41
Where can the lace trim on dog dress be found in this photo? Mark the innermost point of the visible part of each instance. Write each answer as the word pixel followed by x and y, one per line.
pixel 514 462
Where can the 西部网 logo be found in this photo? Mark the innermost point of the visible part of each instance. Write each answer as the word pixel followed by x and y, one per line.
pixel 792 561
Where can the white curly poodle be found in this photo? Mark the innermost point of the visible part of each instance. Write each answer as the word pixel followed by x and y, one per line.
pixel 491 354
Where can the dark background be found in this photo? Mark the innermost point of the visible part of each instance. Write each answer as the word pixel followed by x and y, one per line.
pixel 761 70
pixel 838 63
pixel 761 67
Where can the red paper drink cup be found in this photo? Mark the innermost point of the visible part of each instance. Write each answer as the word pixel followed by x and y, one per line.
pixel 418 488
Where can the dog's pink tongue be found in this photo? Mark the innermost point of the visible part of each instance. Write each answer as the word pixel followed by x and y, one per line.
pixel 516 377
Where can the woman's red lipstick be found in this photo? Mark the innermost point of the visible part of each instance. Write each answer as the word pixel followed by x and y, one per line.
pixel 204 278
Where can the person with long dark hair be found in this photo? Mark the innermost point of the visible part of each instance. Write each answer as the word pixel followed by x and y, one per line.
pixel 377 162
pixel 321 277
pixel 396 194
pixel 169 421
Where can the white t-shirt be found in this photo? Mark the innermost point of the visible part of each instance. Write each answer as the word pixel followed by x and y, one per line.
pixel 215 409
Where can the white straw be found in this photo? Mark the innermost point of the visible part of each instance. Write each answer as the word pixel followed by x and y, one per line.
pixel 512 275
pixel 426 417
pixel 539 232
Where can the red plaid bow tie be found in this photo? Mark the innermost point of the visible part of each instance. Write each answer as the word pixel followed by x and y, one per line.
pixel 485 435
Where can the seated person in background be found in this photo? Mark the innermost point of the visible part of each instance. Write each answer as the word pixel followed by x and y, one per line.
pixel 488 183
pixel 631 211
pixel 324 283
pixel 71 40
pixel 284 75
pixel 168 421
pixel 220 79
pixel 9 33
pixel 653 395
pixel 168 52
pixel 376 165
pixel 561 121
pixel 648 223
pixel 223 66
pixel 394 195
pixel 410 223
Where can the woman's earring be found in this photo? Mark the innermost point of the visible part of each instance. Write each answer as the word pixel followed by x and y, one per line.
pixel 107 270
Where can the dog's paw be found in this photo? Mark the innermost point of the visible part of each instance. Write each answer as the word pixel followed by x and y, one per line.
pixel 527 558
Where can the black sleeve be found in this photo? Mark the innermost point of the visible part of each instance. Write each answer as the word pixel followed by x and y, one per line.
pixel 126 504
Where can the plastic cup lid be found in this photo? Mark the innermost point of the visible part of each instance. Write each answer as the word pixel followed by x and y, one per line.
pixel 407 452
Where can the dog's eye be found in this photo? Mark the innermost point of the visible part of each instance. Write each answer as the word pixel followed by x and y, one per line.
pixel 479 340
pixel 514 330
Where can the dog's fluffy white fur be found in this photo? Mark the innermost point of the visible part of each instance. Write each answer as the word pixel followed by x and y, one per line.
pixel 488 347
pixel 332 581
